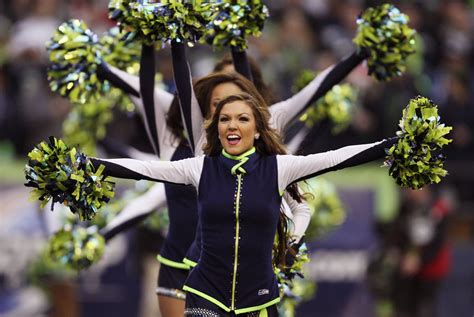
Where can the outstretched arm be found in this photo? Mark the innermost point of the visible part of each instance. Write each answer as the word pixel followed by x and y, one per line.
pixel 136 211
pixel 184 172
pixel 293 169
pixel 284 112
pixel 190 111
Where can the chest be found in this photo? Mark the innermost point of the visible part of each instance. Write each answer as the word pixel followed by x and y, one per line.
pixel 253 196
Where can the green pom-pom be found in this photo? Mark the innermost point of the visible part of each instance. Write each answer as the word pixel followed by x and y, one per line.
pixel 43 269
pixel 167 20
pixel 294 290
pixel 302 290
pixel 75 55
pixel 383 33
pixel 235 21
pixel 76 247
pixel 327 210
pixel 65 175
pixel 335 106
pixel 120 49
pixel 416 159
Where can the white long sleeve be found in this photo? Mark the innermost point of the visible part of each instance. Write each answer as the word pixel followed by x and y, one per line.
pixel 293 168
pixel 300 215
pixel 186 172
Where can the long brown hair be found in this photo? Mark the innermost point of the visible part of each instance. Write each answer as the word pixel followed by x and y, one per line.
pixel 269 143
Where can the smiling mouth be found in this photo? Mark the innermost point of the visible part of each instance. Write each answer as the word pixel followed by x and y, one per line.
pixel 233 139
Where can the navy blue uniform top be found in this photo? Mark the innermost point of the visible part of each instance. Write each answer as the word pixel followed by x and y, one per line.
pixel 239 218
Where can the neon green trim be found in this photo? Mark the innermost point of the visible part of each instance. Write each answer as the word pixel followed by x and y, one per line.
pixel 259 307
pixel 177 265
pixel 242 158
pixel 189 262
pixel 236 237
pixel 282 192
pixel 227 309
pixel 263 313
pixel 205 296
pixel 238 157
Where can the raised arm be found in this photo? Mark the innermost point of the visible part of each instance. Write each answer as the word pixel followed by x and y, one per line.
pixel 136 210
pixel 284 112
pixel 122 80
pixel 151 101
pixel 184 172
pixel 241 62
pixel 293 169
pixel 147 86
pixel 191 113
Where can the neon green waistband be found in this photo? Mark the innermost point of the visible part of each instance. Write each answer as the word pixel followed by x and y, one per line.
pixel 227 309
pixel 168 262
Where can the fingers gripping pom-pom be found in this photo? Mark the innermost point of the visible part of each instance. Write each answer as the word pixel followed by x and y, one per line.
pixel 76 247
pixel 235 22
pixel 416 159
pixel 64 175
pixel 384 36
pixel 75 56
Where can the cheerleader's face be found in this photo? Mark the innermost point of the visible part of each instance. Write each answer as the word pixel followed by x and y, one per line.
pixel 237 127
pixel 222 91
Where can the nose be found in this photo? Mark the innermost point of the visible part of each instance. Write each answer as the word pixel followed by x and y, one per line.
pixel 232 125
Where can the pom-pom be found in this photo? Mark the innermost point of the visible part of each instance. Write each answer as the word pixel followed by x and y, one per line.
pixel 65 175
pixel 76 247
pixel 235 21
pixel 43 270
pixel 167 20
pixel 327 210
pixel 74 54
pixel 293 288
pixel 120 49
pixel 335 106
pixel 384 35
pixel 416 159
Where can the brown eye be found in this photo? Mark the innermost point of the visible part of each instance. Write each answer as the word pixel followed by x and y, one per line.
pixel 223 119
pixel 244 119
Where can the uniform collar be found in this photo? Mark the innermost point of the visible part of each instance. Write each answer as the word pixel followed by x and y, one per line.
pixel 238 161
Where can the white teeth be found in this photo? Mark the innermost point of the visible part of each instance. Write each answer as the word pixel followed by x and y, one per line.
pixel 233 137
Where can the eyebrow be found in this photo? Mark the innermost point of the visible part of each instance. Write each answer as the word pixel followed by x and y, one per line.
pixel 239 114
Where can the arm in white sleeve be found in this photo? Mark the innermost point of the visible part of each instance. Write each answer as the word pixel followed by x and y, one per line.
pixel 136 210
pixel 284 112
pixel 154 119
pixel 293 169
pixel 185 172
pixel 300 215
pixel 191 112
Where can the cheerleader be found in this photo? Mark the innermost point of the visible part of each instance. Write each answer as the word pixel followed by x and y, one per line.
pixel 239 182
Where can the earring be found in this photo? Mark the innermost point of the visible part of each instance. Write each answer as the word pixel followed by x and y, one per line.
pixel 257 136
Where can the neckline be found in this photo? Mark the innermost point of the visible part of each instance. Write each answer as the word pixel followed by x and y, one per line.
pixel 239 157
